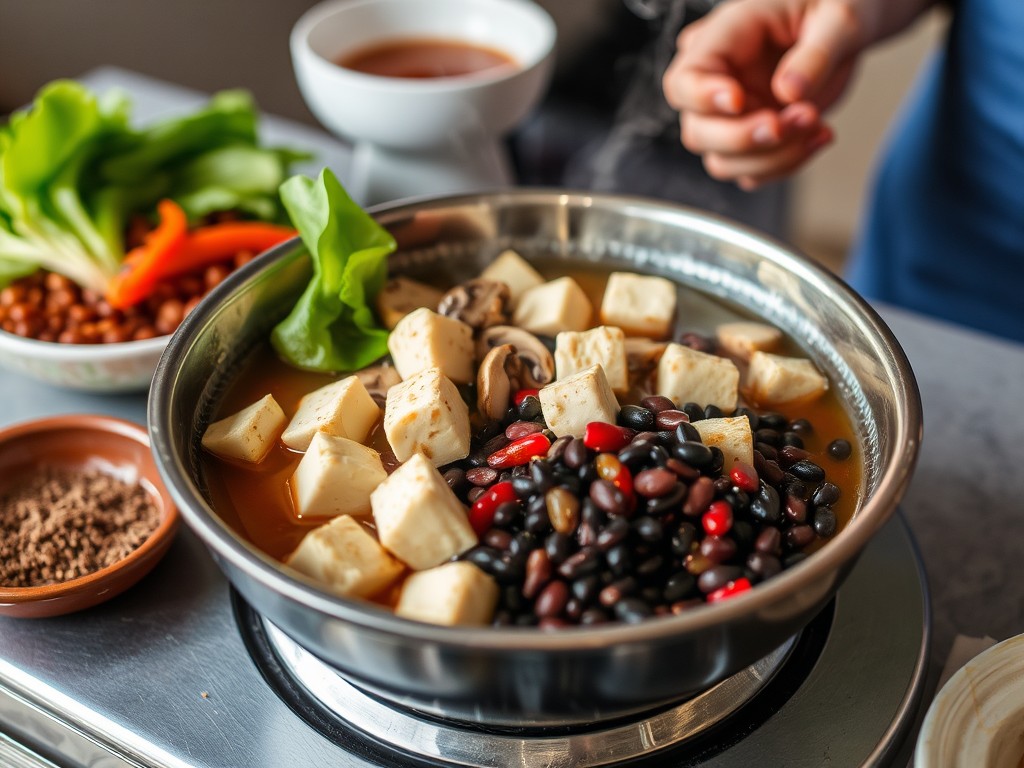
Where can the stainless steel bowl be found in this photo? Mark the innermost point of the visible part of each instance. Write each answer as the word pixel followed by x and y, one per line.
pixel 525 677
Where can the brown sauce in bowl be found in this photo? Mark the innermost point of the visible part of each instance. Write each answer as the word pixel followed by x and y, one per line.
pixel 425 58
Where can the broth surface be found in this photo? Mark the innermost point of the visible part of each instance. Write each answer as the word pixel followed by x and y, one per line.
pixel 256 501
pixel 424 58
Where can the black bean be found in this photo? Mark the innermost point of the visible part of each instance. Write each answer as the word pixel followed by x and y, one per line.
pixel 529 409
pixel 694 411
pixel 717 460
pixel 657 455
pixel 593 616
pixel 657 403
pixel 699 496
pixel 737 499
pixel 558 448
pixel 558 546
pixel 650 566
pixel 772 420
pixel 686 432
pixel 477 458
pixel 751 415
pixel 582 563
pixel 574 609
pixel 679 586
pixel 743 532
pixel 768 437
pixel 456 479
pixel 722 484
pixel 475 493
pixel 824 521
pixel 507 514
pixel 612 534
pixel 634 454
pixel 512 598
pixel 497 538
pixel 496 443
pixel 617 590
pixel 772 472
pixel 796 488
pixel 792 439
pixel 649 529
pixel 769 541
pixel 693 453
pixel 802 427
pixel 537 521
pixel 619 559
pixel 505 476
pixel 526 620
pixel 520 471
pixel 796 509
pixel 483 557
pixel 522 544
pixel 586 589
pixel 713 412
pixel 608 498
pixel 576 454
pixel 808 471
pixel 799 536
pixel 671 502
pixel 682 540
pixel 542 474
pixel 682 470
pixel 587 473
pixel 635 417
pixel 571 483
pixel 825 495
pixel 524 487
pixel 650 595
pixel 632 610
pixel 771 453
pixel 717 577
pixel 764 565
pixel 508 570
pixel 586 535
pixel 718 549
pixel 670 420
pixel 592 515
pixel 790 454
pixel 840 449
pixel 766 507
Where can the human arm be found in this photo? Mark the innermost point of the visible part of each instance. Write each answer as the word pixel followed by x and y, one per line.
pixel 752 79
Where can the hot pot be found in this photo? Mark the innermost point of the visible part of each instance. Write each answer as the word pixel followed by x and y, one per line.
pixel 523 677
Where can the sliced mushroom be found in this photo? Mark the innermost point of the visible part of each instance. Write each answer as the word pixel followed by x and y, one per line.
pixel 378 379
pixel 478 303
pixel 499 375
pixel 538 364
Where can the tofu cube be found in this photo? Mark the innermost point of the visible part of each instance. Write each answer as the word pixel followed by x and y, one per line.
pixel 345 558
pixel 744 338
pixel 571 403
pixel 731 435
pixel 774 380
pixel 451 594
pixel 335 477
pixel 514 271
pixel 643 355
pixel 424 339
pixel 641 305
pixel 342 409
pixel 560 305
pixel 249 434
pixel 418 517
pixel 426 414
pixel 688 376
pixel 400 296
pixel 604 346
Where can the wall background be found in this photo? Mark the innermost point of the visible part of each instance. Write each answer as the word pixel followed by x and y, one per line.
pixel 214 44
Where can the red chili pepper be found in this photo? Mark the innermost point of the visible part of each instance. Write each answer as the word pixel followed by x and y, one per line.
pixel 744 477
pixel 606 438
pixel 717 521
pixel 520 451
pixel 731 589
pixel 481 514
pixel 522 394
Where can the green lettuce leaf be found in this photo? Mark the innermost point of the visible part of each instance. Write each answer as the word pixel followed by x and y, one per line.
pixel 332 327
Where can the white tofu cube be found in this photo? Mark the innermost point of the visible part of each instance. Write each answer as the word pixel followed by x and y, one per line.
pixel 424 339
pixel 418 517
pixel 400 296
pixel 560 305
pixel 571 403
pixel 641 305
pixel 451 594
pixel 642 355
pixel 731 435
pixel 345 558
pixel 742 339
pixel 343 409
pixel 426 414
pixel 335 477
pixel 514 271
pixel 775 380
pixel 249 434
pixel 604 346
pixel 688 376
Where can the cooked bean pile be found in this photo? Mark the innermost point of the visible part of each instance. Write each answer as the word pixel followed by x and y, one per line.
pixel 50 307
pixel 638 519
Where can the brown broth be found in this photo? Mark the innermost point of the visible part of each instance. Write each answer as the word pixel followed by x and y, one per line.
pixel 256 501
pixel 424 58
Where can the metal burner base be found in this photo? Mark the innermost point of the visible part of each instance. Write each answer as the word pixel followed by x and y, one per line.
pixel 845 693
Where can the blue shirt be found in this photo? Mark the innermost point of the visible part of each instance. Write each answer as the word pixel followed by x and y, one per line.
pixel 944 230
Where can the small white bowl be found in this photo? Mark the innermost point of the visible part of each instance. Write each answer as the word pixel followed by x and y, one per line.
pixel 977 719
pixel 406 113
pixel 122 367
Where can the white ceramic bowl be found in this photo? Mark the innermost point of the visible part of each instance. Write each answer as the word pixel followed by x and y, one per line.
pixel 416 114
pixel 977 720
pixel 124 367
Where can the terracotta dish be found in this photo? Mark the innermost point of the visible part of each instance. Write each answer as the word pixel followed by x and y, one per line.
pixel 86 442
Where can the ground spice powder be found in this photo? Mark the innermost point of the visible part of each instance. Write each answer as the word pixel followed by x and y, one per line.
pixel 57 524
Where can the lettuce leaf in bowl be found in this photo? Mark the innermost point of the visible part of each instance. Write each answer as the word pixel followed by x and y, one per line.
pixel 332 326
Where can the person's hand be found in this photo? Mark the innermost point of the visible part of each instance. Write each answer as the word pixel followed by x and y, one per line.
pixel 752 78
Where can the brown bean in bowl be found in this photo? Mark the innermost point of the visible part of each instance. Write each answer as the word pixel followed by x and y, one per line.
pixel 576 498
